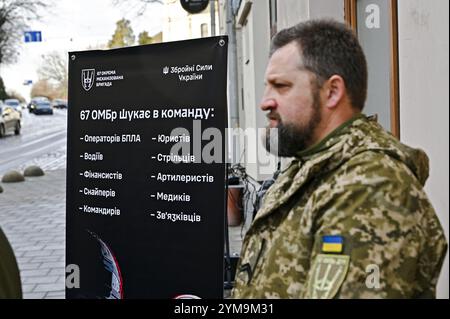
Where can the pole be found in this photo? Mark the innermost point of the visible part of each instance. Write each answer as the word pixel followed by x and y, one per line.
pixel 233 93
pixel 212 5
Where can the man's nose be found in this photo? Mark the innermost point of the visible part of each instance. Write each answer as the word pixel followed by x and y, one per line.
pixel 268 103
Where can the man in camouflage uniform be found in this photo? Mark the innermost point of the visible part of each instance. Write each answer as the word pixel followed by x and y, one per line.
pixel 348 218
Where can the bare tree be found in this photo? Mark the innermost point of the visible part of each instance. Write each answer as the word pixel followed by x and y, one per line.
pixel 137 6
pixel 14 18
pixel 43 88
pixel 16 95
pixel 54 70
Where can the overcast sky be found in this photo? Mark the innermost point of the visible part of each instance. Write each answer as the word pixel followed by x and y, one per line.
pixel 73 26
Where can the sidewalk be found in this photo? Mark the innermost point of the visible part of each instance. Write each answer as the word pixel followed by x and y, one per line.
pixel 32 215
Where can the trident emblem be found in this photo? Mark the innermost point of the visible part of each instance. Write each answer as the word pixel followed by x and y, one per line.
pixel 87 78
pixel 325 284
pixel 328 274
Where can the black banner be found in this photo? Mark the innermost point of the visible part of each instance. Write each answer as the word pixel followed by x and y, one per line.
pixel 146 171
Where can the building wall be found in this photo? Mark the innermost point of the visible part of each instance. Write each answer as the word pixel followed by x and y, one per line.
pixel 291 12
pixel 424 98
pixel 180 25
pixel 327 9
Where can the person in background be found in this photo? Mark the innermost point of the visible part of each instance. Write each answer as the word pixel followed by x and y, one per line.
pixel 10 286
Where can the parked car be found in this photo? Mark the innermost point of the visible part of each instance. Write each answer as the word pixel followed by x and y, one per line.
pixel 59 104
pixel 10 120
pixel 42 107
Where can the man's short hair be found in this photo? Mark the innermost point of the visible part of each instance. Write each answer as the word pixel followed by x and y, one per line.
pixel 329 48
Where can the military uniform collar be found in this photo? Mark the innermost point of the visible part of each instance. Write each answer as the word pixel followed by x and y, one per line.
pixel 329 140
pixel 322 157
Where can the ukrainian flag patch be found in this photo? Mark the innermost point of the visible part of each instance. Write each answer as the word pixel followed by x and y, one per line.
pixel 332 244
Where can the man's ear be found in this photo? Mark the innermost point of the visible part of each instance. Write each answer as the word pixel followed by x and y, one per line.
pixel 335 91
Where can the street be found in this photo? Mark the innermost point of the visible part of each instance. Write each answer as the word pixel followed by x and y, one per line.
pixel 41 142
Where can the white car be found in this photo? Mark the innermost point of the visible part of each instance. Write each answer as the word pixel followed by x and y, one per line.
pixel 10 120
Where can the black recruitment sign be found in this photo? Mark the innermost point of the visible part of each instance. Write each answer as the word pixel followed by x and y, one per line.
pixel 194 6
pixel 146 171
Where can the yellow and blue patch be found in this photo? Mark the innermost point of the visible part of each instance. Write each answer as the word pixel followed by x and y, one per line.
pixel 332 244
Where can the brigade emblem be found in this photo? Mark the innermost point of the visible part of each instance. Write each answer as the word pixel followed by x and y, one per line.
pixel 327 275
pixel 87 78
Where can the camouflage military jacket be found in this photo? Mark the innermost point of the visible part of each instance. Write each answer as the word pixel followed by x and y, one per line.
pixel 10 286
pixel 347 219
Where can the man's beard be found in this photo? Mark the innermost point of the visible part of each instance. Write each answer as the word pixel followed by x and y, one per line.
pixel 288 139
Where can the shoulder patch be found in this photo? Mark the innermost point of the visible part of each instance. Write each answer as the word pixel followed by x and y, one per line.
pixel 327 275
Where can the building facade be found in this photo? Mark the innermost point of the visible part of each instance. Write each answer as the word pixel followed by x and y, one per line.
pixel 180 25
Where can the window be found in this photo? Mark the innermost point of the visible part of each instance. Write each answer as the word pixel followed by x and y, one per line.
pixel 204 30
pixel 375 22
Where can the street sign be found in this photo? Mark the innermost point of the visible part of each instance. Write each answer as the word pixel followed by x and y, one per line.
pixel 146 197
pixel 33 36
pixel 27 82
pixel 194 6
